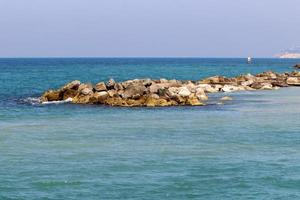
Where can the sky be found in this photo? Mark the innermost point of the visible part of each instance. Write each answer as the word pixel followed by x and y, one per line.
pixel 148 28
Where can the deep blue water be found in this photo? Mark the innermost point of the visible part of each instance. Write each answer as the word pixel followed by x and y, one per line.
pixel 248 148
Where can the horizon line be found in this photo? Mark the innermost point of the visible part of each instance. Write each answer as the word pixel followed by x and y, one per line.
pixel 135 57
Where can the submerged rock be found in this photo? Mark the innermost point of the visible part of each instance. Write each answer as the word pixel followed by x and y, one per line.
pixel 226 98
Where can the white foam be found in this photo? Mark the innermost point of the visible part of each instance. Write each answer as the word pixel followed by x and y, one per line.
pixel 32 100
pixel 59 102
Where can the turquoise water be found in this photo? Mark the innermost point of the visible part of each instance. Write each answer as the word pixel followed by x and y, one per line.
pixel 248 148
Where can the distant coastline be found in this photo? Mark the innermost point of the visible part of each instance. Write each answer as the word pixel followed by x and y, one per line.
pixel 288 55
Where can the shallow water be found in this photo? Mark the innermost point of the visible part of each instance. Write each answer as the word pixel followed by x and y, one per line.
pixel 247 148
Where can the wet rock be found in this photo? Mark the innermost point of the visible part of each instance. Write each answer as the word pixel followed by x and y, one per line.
pixel 194 101
pixel 200 94
pixel 226 98
pixel 70 93
pixel 52 95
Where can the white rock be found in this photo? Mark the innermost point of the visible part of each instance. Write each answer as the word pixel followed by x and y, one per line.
pixel 230 88
pixel 184 92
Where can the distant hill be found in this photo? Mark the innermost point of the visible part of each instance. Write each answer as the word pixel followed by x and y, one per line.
pixel 293 52
pixel 288 55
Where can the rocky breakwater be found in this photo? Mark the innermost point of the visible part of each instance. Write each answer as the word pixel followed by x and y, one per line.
pixel 151 93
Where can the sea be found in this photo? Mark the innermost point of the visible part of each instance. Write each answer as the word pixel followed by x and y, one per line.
pixel 247 148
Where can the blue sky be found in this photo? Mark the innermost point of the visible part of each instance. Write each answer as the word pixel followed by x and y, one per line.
pixel 121 28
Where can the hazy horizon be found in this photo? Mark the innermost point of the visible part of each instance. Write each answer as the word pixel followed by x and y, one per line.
pixel 133 28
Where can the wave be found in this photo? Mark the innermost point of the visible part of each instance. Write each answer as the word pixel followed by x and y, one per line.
pixel 37 101
pixel 31 100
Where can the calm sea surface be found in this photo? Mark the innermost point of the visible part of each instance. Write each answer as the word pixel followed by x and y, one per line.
pixel 248 148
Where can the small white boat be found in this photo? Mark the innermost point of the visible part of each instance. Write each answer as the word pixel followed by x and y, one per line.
pixel 249 60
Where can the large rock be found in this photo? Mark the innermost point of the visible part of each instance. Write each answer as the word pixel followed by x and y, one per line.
pixel 184 92
pixel 266 86
pixel 231 88
pixel 101 96
pixel 134 91
pixel 194 101
pixel 71 86
pixel 200 94
pixel 85 89
pixel 208 88
pixel 70 93
pixel 293 81
pixel 52 95
pixel 100 87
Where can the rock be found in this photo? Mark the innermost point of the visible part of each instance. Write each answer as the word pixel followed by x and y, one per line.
pixel 184 92
pixel 154 88
pixel 52 95
pixel 172 91
pixel 247 83
pixel 162 92
pixel 200 94
pixel 101 96
pixel 193 101
pixel 110 84
pixel 100 87
pixel 71 86
pixel 256 85
pixel 297 66
pixel 179 99
pixel 191 87
pixel 230 88
pixel 155 96
pixel 295 74
pixel 83 99
pixel 267 75
pixel 147 82
pixel 226 98
pixel 212 80
pixel 115 101
pixel 134 91
pixel 266 86
pixel 125 84
pixel 118 86
pixel 113 93
pixel 152 102
pixel 293 81
pixel 85 89
pixel 208 88
pixel 70 93
pixel 280 83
